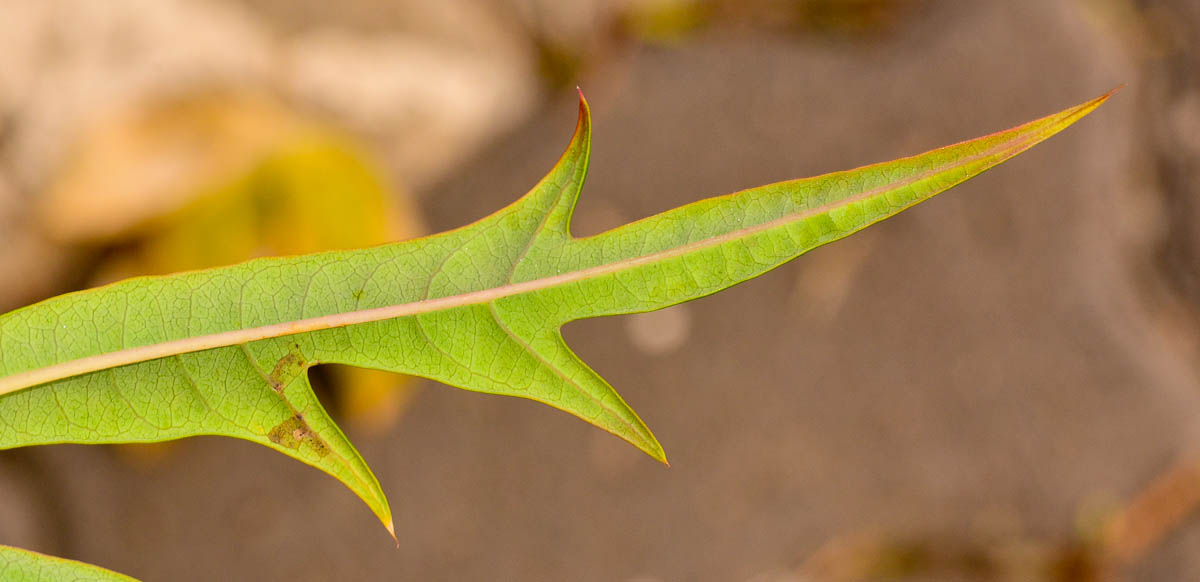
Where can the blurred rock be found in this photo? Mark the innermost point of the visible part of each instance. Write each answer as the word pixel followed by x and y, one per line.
pixel 429 104
pixel 64 63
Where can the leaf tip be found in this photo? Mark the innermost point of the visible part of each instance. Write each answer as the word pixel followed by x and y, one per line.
pixel 1086 108
pixel 1109 93
pixel 391 529
pixel 652 447
pixel 642 439
pixel 585 112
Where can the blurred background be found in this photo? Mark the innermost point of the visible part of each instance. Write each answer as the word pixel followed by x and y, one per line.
pixel 1003 384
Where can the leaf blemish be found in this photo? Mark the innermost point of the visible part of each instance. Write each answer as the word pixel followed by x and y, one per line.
pixel 286 369
pixel 294 432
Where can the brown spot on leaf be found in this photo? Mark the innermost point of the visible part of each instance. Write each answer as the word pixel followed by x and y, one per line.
pixel 294 432
pixel 319 447
pixel 287 368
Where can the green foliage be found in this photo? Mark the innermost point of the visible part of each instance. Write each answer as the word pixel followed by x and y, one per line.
pixel 17 565
pixel 226 351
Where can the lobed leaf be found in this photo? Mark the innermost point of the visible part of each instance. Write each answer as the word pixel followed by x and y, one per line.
pixel 226 351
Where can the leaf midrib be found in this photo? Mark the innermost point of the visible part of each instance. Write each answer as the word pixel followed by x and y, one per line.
pixel 80 366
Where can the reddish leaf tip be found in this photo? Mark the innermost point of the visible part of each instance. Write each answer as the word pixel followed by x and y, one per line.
pixel 1101 99
pixel 583 104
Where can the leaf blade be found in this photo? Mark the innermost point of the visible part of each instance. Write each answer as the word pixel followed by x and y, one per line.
pixel 225 351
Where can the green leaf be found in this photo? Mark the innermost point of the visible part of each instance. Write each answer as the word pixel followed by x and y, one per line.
pixel 17 565
pixel 225 351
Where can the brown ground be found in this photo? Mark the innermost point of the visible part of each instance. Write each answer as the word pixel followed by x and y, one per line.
pixel 1001 363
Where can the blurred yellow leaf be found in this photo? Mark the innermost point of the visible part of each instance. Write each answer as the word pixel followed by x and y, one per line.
pixel 666 21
